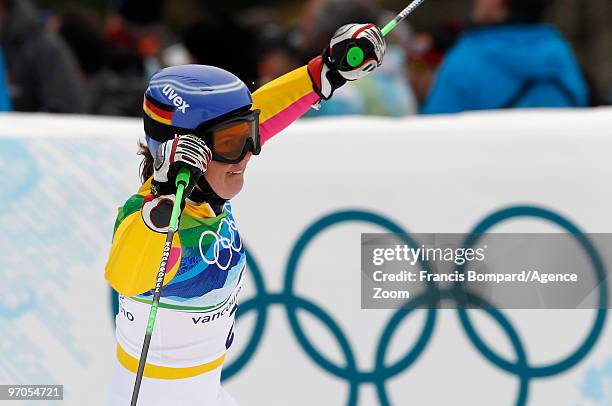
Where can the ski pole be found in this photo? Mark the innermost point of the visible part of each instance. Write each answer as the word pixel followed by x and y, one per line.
pixel 182 180
pixel 401 16
pixel 355 55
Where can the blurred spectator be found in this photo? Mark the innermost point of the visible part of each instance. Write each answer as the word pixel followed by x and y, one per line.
pixel 508 60
pixel 130 45
pixel 387 92
pixel 275 55
pixel 117 88
pixel 43 74
pixel 426 53
pixel 79 27
pixel 219 40
pixel 113 75
pixel 5 101
pixel 137 28
pixel 141 12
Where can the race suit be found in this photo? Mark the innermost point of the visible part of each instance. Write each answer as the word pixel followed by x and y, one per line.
pixel 205 270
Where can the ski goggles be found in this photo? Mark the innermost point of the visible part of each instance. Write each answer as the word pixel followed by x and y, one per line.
pixel 232 139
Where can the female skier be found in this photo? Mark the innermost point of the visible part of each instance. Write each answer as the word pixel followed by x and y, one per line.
pixel 204 119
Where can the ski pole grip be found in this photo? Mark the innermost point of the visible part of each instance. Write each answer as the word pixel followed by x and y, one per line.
pixel 183 177
pixel 182 180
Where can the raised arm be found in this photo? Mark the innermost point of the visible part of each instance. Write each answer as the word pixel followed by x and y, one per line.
pixel 284 100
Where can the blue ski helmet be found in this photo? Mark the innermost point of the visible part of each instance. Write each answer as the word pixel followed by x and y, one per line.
pixel 180 99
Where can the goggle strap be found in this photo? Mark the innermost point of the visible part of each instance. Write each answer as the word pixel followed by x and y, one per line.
pixel 162 132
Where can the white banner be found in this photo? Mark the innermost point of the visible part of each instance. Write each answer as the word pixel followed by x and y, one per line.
pixel 302 338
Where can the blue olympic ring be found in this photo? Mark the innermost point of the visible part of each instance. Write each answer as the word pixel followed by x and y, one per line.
pixel 596 329
pixel 382 373
pixel 429 299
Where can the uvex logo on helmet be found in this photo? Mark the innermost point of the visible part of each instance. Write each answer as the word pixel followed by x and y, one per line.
pixel 173 96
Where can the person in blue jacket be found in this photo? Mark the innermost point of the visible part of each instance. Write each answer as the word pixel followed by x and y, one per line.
pixel 5 100
pixel 508 60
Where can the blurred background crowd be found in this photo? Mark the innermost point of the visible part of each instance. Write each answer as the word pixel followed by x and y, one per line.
pixel 96 56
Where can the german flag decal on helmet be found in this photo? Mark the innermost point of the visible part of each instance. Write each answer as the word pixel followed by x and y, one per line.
pixel 159 112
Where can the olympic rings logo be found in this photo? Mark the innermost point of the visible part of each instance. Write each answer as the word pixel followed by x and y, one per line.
pixel 381 373
pixel 232 244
